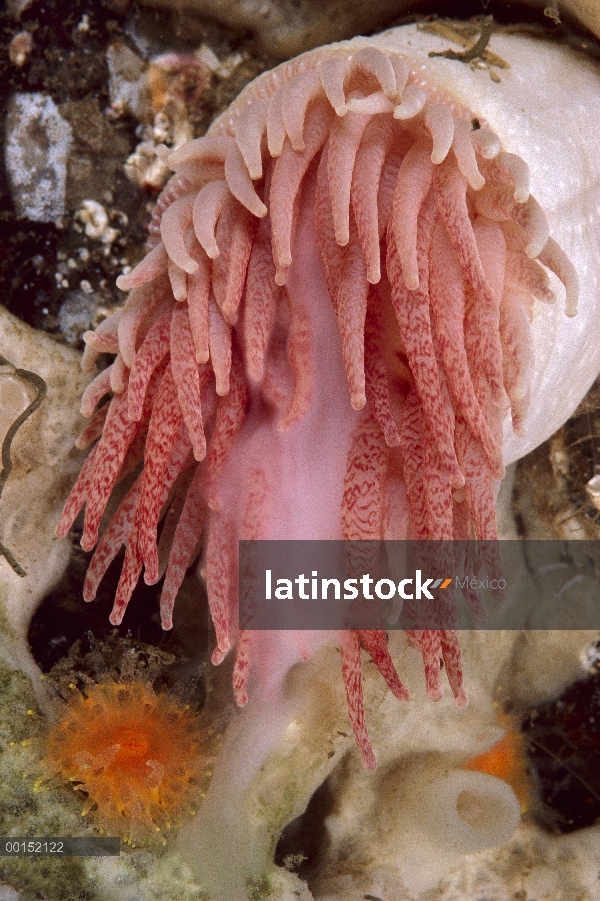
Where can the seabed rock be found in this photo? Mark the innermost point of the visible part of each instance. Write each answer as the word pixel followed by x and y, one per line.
pixel 417 825
pixel 284 28
pixel 38 141
pixel 34 369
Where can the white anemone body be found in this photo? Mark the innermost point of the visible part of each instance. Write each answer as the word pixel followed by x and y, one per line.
pixel 545 109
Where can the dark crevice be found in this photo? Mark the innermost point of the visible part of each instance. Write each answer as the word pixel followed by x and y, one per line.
pixel 304 841
pixel 563 749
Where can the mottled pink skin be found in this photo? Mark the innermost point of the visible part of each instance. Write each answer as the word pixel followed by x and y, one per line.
pixel 305 464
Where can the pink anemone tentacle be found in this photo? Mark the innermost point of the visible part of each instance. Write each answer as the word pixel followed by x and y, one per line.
pixel 328 331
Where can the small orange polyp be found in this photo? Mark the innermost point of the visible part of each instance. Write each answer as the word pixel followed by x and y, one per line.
pixel 135 753
pixel 133 747
pixel 506 760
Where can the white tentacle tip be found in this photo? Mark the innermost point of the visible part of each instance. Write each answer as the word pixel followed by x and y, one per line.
pixel 438 155
pixel 535 247
pixel 414 99
pixel 199 453
pixel 371 105
pixel 520 390
pixel 461 700
pixel 358 400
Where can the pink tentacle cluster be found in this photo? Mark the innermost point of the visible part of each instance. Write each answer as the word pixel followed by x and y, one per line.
pixel 433 253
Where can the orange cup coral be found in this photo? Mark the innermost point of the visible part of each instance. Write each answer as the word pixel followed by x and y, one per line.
pixel 135 753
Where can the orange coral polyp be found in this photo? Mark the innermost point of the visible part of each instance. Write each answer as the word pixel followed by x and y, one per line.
pixel 131 746
pixel 135 753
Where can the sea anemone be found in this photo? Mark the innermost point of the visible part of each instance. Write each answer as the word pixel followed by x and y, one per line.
pixel 337 316
pixel 139 756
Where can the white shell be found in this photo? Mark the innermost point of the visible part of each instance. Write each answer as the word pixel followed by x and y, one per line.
pixel 546 109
